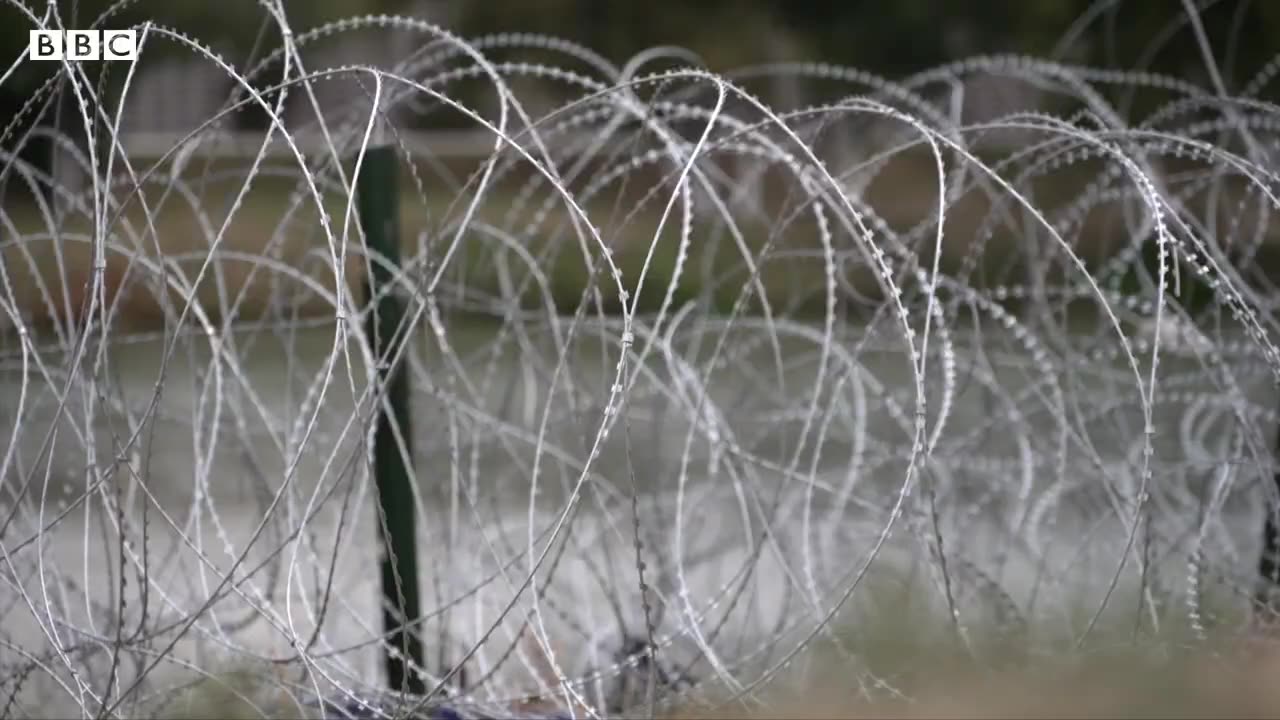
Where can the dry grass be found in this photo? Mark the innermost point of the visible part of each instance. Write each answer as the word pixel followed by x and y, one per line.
pixel 1237 683
pixel 925 672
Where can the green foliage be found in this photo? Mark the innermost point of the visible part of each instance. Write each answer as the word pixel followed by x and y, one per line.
pixel 890 38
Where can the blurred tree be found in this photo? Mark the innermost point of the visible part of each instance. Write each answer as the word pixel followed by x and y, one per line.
pixel 890 38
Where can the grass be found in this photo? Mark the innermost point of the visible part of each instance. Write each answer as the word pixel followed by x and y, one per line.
pixel 1116 676
pixel 901 658
pixel 900 640
pixel 1120 686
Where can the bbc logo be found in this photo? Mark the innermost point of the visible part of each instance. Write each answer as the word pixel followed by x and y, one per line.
pixel 83 45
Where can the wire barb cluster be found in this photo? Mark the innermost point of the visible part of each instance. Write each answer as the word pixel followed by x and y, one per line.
pixel 704 384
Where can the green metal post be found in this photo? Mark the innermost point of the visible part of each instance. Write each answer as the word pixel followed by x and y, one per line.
pixel 1265 597
pixel 378 198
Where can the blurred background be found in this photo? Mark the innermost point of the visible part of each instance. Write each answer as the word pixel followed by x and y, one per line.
pixel 175 91
pixel 892 39
pixel 1061 475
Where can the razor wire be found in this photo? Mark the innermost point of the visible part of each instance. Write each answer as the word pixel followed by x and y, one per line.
pixel 696 376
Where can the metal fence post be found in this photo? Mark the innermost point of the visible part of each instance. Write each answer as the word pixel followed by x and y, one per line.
pixel 378 203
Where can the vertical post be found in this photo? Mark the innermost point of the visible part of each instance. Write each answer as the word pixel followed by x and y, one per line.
pixel 1265 597
pixel 378 204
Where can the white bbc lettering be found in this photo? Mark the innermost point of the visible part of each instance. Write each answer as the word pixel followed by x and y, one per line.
pixel 119 44
pixel 83 45
pixel 46 45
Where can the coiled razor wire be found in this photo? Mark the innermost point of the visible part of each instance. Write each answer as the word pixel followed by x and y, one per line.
pixel 694 382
